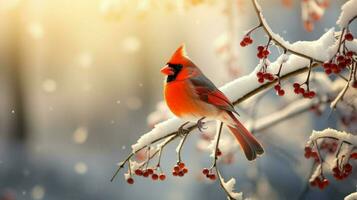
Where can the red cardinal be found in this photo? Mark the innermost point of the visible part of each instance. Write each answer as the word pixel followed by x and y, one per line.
pixel 191 95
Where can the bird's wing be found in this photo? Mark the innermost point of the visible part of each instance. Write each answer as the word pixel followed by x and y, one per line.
pixel 209 93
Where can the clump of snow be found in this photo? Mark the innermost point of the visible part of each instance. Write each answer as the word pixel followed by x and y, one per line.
pixel 229 186
pixel 159 131
pixel 340 135
pixel 349 11
pixel 352 196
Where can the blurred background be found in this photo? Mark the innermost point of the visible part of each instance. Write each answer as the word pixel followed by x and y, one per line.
pixel 79 79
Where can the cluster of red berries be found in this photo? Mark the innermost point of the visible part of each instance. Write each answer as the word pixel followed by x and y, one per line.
pixel 278 90
pixel 330 147
pixel 263 52
pixel 149 172
pixel 320 182
pixel 349 36
pixel 311 154
pixel 261 75
pixel 247 40
pixel 341 62
pixel 179 169
pixel 305 93
pixel 342 172
pixel 208 173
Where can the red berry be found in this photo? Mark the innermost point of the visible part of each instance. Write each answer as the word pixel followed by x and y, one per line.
pixel 328 71
pixel 266 53
pixel 181 173
pixel 154 177
pixel 348 61
pixel 308 149
pixel 260 74
pixel 174 173
pixel 349 53
pixel 176 168
pixel 138 172
pixel 277 87
pixel 340 58
pixel 353 155
pixel 162 177
pixel 150 171
pixel 348 167
pixel 247 39
pixel 146 174
pixel 185 170
pixel 301 90
pixel 336 170
pixel 296 91
pixel 243 44
pixel 281 92
pixel 326 65
pixel 307 155
pixel 205 171
pixel 261 80
pixel 260 48
pixel 296 85
pixel 181 165
pixel 349 36
pixel 212 177
pixel 260 55
pixel 311 94
pixel 270 77
pixel 130 181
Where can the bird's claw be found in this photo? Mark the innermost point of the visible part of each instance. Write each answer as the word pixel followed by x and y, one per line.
pixel 182 132
pixel 200 124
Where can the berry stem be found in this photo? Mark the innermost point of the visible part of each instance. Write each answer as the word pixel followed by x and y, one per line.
pixel 179 147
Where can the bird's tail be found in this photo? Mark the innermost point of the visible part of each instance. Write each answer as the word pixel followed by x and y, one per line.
pixel 247 140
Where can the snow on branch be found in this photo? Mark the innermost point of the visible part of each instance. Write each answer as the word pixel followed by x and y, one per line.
pixel 334 149
pixel 331 133
pixel 352 196
pixel 348 14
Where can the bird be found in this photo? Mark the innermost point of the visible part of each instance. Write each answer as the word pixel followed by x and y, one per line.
pixel 191 96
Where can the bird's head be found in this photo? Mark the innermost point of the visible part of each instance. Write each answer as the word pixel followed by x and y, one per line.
pixel 179 66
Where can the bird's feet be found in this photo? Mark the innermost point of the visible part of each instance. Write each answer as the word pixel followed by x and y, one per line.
pixel 182 131
pixel 200 124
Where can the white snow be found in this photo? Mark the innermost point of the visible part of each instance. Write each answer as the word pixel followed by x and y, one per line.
pixel 340 135
pixel 349 11
pixel 352 196
pixel 160 130
pixel 229 186
pixel 352 45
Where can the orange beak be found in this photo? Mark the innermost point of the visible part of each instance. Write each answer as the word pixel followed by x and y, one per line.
pixel 167 70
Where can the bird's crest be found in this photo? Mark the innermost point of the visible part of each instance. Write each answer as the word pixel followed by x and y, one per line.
pixel 179 56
